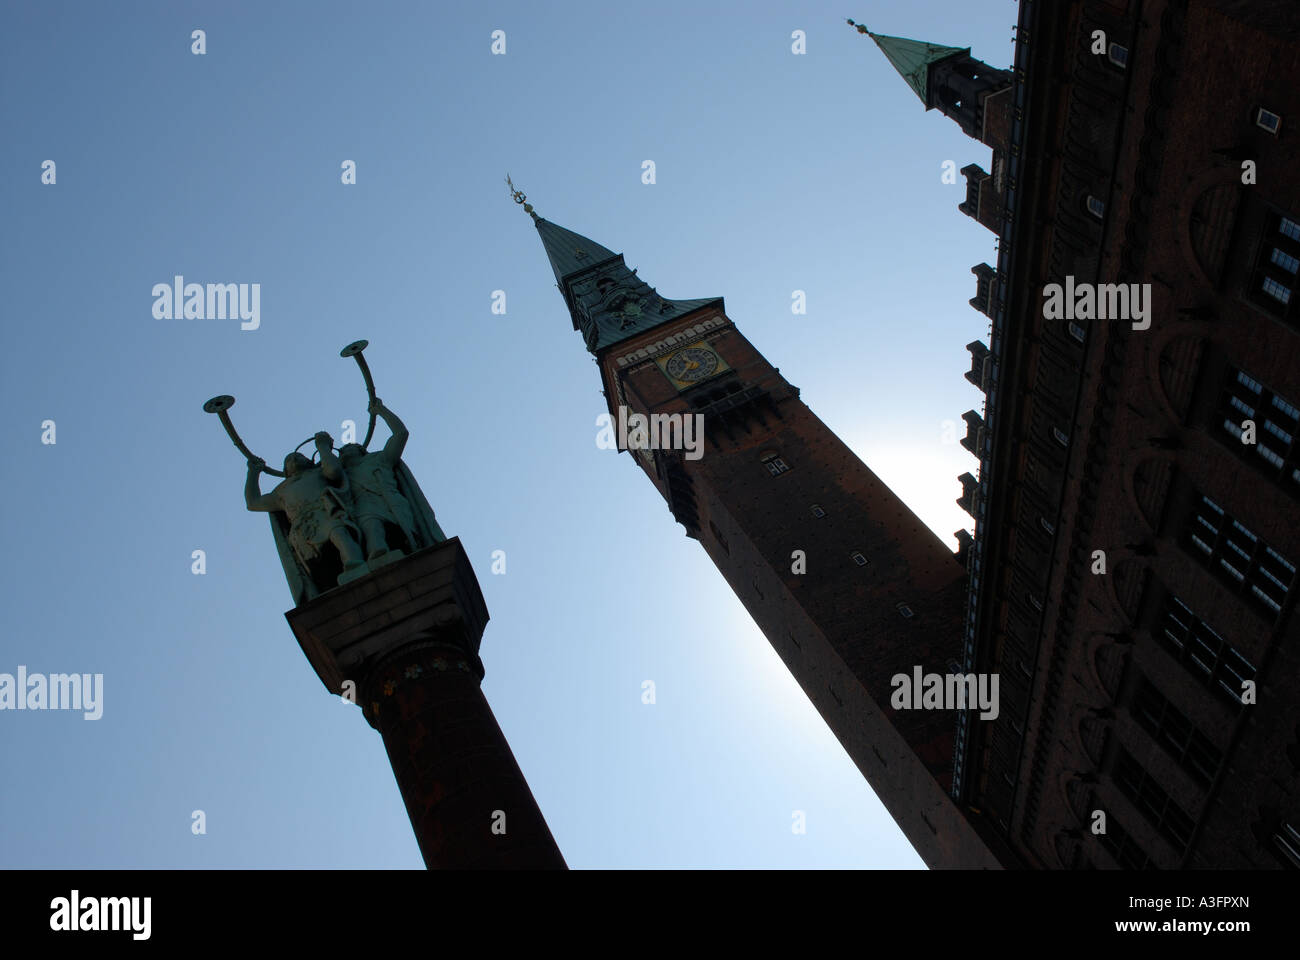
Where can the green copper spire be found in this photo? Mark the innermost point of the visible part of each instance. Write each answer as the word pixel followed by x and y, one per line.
pixel 912 58
pixel 569 252
pixel 607 301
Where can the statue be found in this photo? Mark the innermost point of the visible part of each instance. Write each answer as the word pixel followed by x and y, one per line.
pixel 324 512
pixel 378 483
pixel 313 502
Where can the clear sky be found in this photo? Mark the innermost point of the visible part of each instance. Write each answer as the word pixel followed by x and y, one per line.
pixel 775 172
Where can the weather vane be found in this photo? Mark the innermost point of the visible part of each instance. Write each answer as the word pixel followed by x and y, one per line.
pixel 518 196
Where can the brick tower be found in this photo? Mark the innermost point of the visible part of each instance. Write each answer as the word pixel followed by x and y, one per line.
pixel 972 93
pixel 848 585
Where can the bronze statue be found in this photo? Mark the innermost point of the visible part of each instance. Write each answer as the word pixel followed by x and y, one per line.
pixel 377 503
pixel 313 498
pixel 344 501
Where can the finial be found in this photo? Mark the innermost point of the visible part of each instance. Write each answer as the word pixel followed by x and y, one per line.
pixel 861 28
pixel 518 197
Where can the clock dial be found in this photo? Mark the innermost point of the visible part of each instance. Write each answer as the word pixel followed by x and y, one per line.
pixel 691 364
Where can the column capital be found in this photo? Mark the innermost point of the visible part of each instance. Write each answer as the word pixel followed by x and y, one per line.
pixel 430 599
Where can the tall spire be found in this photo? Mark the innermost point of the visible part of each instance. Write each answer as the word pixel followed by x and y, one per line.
pixel 607 301
pixel 569 252
pixel 912 58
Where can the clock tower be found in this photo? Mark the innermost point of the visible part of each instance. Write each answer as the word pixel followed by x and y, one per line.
pixel 849 586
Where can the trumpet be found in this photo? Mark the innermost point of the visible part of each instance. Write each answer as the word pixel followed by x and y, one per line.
pixel 353 350
pixel 220 405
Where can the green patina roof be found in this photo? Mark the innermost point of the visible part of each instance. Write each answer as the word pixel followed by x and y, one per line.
pixel 607 301
pixel 912 59
pixel 569 252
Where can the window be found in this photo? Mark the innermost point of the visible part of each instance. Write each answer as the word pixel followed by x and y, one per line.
pixel 817 511
pixel 1042 521
pixel 858 558
pixel 1284 260
pixel 1274 279
pixel 1277 425
pixel 1122 847
pixel 1118 55
pixel 775 465
pixel 905 611
pixel 1206 655
pixel 1269 120
pixel 1115 839
pixel 1278 291
pixel 1061 436
pixel 1136 783
pixel 1238 556
pixel 1077 331
pixel 1096 207
pixel 1171 729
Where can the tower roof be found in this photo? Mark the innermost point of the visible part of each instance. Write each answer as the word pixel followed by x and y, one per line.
pixel 607 301
pixel 912 58
pixel 570 252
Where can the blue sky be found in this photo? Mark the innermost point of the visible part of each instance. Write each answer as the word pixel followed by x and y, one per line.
pixel 775 172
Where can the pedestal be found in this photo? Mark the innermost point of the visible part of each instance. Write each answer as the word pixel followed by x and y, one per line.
pixel 403 641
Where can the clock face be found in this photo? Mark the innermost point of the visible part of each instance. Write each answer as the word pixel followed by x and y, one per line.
pixel 691 364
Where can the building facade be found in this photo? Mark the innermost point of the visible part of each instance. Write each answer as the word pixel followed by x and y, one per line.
pixel 1137 507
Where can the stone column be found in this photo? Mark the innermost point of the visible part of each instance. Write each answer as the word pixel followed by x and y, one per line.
pixel 404 642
